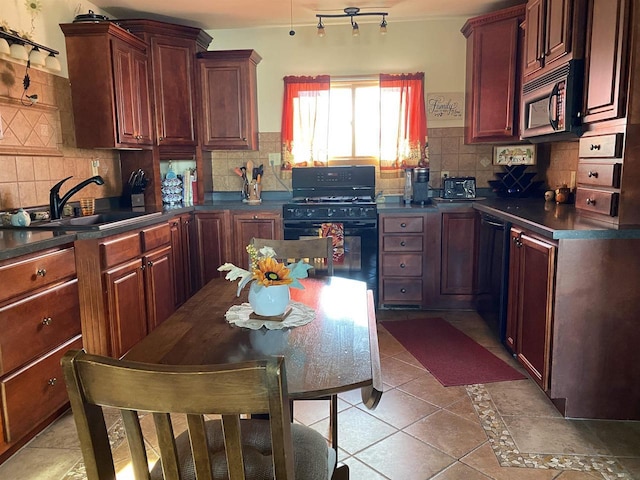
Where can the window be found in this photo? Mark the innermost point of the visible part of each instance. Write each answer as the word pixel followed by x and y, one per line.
pixel 380 119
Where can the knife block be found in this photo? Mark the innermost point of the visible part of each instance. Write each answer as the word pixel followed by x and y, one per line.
pixel 137 200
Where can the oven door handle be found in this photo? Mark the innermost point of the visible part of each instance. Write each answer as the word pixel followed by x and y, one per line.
pixel 347 225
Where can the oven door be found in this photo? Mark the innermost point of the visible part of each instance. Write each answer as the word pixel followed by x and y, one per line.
pixel 356 258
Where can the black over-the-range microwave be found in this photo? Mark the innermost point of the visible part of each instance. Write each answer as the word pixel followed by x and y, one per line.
pixel 551 104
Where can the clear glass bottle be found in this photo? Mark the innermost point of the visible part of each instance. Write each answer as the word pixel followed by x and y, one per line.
pixel 408 186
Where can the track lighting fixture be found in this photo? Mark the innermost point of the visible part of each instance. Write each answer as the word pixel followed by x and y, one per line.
pixel 18 50
pixel 352 12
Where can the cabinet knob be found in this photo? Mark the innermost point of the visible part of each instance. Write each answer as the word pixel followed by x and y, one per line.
pixel 592 174
pixel 591 201
pixel 52 381
pixel 41 272
pixel 403 225
pixel 149 263
pixel 47 321
pixel 255 217
pixel 403 290
pixel 143 267
pixel 402 265
pixel 403 244
pixel 244 139
pixel 594 146
pixel 160 139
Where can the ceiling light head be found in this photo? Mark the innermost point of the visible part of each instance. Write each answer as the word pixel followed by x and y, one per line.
pixel 355 30
pixel 320 28
pixel 383 26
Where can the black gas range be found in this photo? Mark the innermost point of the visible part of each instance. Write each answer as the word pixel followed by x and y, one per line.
pixel 332 193
pixel 337 202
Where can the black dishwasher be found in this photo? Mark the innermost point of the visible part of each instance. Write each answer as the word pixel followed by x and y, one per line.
pixel 493 277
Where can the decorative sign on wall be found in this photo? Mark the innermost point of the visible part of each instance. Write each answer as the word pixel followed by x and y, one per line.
pixel 445 106
pixel 514 155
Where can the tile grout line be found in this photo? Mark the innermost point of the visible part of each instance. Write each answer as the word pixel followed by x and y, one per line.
pixel 508 455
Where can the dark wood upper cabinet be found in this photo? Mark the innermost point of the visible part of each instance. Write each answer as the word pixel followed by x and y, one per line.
pixel 109 86
pixel 172 50
pixel 493 76
pixel 554 34
pixel 607 59
pixel 229 108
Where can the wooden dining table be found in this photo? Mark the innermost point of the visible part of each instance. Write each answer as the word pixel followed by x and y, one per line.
pixel 334 353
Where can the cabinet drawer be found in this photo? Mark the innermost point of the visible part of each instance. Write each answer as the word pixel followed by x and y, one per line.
pixel 35 392
pixel 402 265
pixel 401 291
pixel 599 174
pixel 156 236
pixel 598 201
pixel 601 146
pixel 36 272
pixel 37 324
pixel 120 249
pixel 399 243
pixel 402 224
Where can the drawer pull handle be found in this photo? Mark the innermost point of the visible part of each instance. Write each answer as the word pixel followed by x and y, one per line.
pixel 52 381
pixel 403 225
pixel 403 290
pixel 595 146
pixel 403 244
pixel 591 201
pixel 402 265
pixel 592 174
pixel 47 321
pixel 41 272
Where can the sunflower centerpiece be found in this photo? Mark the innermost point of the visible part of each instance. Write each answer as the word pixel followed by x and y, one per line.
pixel 270 280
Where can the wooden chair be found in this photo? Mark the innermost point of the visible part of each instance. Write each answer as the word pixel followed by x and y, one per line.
pixel 318 251
pixel 314 250
pixel 252 449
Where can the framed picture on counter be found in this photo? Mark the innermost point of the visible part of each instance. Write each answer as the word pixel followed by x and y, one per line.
pixel 514 155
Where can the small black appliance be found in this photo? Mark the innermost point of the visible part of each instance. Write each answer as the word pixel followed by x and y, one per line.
pixel 420 186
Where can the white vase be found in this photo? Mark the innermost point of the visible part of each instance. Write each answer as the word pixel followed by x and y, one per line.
pixel 268 301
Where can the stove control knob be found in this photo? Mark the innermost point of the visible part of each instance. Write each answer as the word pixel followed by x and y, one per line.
pixel 309 212
pixel 330 212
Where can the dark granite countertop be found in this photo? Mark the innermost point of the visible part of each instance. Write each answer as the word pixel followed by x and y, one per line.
pixel 14 242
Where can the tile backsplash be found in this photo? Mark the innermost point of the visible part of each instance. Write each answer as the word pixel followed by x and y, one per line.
pixel 38 145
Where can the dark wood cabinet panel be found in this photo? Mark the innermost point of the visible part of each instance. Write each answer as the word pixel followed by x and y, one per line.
pixel 493 76
pixel 460 233
pixel 606 59
pixel 159 286
pixel 127 316
pixel 554 34
pixel 530 304
pixel 229 108
pixel 263 224
pixel 109 86
pixel 214 243
pixel 184 250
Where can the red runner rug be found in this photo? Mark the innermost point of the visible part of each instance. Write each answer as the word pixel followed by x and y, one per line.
pixel 450 355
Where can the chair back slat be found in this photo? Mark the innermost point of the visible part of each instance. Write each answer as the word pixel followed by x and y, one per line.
pixel 308 249
pixel 199 447
pixel 167 446
pixel 233 446
pixel 136 389
pixel 133 430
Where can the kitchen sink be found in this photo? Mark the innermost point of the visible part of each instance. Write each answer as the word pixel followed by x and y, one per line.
pixel 99 221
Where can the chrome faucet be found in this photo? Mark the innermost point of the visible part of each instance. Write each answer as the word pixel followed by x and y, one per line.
pixel 56 203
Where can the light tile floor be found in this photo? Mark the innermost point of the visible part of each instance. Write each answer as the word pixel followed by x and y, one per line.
pixel 420 430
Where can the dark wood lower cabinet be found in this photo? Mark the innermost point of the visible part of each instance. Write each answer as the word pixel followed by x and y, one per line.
pixel 530 307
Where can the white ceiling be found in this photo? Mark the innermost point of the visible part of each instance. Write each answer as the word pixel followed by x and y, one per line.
pixel 222 14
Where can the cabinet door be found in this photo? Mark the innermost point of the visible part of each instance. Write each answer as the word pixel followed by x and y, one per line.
pixel 213 232
pixel 459 253
pixel 533 305
pixel 159 286
pixel 558 30
pixel 511 334
pixel 249 225
pixel 174 90
pixel 126 306
pixel 178 261
pixel 493 83
pixel 133 112
pixel 606 59
pixel 228 111
pixel 534 36
pixel 189 252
